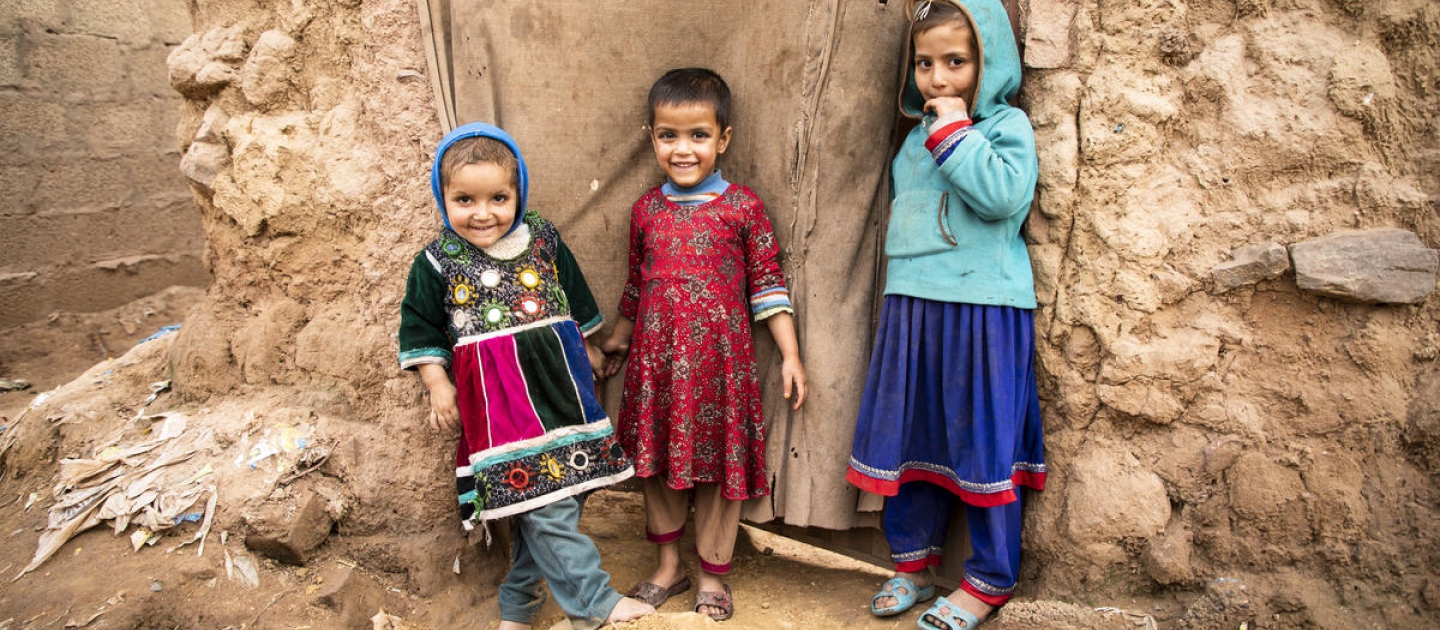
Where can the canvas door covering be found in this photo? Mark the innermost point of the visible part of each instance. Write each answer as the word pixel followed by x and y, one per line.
pixel 814 85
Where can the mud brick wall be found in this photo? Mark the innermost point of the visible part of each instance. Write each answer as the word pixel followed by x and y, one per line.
pixel 93 209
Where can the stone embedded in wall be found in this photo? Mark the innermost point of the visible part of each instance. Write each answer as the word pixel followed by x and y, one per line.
pixel 1112 497
pixel 1167 558
pixel 208 152
pixel 202 161
pixel 1048 39
pixel 204 64
pixel 265 77
pixel 1386 266
pixel 1250 264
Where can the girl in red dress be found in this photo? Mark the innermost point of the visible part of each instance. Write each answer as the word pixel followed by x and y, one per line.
pixel 703 263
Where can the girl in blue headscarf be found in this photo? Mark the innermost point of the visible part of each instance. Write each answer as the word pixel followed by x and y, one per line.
pixel 495 319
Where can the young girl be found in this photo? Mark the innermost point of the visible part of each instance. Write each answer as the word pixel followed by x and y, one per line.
pixel 493 319
pixel 703 261
pixel 950 409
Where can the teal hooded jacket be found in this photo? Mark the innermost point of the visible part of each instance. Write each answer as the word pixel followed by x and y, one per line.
pixel 954 233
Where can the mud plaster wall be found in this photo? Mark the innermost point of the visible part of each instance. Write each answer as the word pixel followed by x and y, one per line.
pixel 94 213
pixel 1264 434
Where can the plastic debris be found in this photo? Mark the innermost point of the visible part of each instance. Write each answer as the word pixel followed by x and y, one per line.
pixel 156 388
pixel 142 537
pixel 164 330
pixel 14 385
pixel 280 439
pixel 131 484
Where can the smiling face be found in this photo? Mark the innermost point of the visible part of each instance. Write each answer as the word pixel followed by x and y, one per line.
pixel 946 61
pixel 687 139
pixel 480 202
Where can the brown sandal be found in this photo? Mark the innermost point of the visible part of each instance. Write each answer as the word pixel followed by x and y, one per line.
pixel 655 595
pixel 723 601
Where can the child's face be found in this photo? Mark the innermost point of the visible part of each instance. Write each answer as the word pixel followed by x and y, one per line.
pixel 687 139
pixel 946 63
pixel 480 202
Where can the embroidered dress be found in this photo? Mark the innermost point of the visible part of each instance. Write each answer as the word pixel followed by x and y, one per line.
pixel 691 409
pixel 532 431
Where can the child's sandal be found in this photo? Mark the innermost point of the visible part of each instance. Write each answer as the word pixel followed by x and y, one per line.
pixel 655 595
pixel 714 599
pixel 945 615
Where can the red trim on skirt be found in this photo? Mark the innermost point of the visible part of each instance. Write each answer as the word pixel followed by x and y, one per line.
pixel 890 488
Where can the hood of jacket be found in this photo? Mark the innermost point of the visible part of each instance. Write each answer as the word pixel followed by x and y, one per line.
pixel 998 81
pixel 483 130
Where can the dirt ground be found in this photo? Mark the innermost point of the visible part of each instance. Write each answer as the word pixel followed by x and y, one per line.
pixel 99 580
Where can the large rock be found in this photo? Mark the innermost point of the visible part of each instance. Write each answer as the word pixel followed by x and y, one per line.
pixel 288 533
pixel 1386 265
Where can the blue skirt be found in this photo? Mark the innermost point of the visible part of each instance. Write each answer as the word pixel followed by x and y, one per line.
pixel 951 399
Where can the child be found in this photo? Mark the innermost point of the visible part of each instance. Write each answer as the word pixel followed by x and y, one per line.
pixel 496 299
pixel 703 260
pixel 950 408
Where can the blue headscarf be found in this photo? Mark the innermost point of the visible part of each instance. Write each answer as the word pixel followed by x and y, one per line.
pixel 481 130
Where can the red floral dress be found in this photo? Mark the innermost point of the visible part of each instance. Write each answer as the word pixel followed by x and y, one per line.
pixel 691 410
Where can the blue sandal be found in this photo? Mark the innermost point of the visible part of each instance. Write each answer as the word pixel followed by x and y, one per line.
pixel 906 595
pixel 945 615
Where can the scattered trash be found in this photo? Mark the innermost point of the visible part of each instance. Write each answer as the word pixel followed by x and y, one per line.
pixel 164 330
pixel 245 568
pixel 131 484
pixel 205 523
pixel 156 389
pixel 142 537
pixel 456 568
pixel 281 439
pixel 157 586
pixel 14 385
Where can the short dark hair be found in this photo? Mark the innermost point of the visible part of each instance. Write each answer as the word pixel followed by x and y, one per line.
pixel 692 85
pixel 478 150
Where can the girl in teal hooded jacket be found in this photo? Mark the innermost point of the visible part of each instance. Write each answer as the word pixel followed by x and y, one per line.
pixel 950 410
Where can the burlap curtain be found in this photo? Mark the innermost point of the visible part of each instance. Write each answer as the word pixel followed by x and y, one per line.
pixel 814 84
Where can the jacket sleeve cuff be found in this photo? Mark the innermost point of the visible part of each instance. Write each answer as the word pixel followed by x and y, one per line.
pixel 945 134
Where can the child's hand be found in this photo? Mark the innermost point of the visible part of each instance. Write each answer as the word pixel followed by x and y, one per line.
pixel 615 351
pixel 944 106
pixel 793 374
pixel 613 363
pixel 597 360
pixel 444 410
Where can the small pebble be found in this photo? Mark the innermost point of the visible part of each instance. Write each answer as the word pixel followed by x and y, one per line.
pixel 157 586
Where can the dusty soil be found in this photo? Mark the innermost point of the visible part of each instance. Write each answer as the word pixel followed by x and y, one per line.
pixel 53 351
